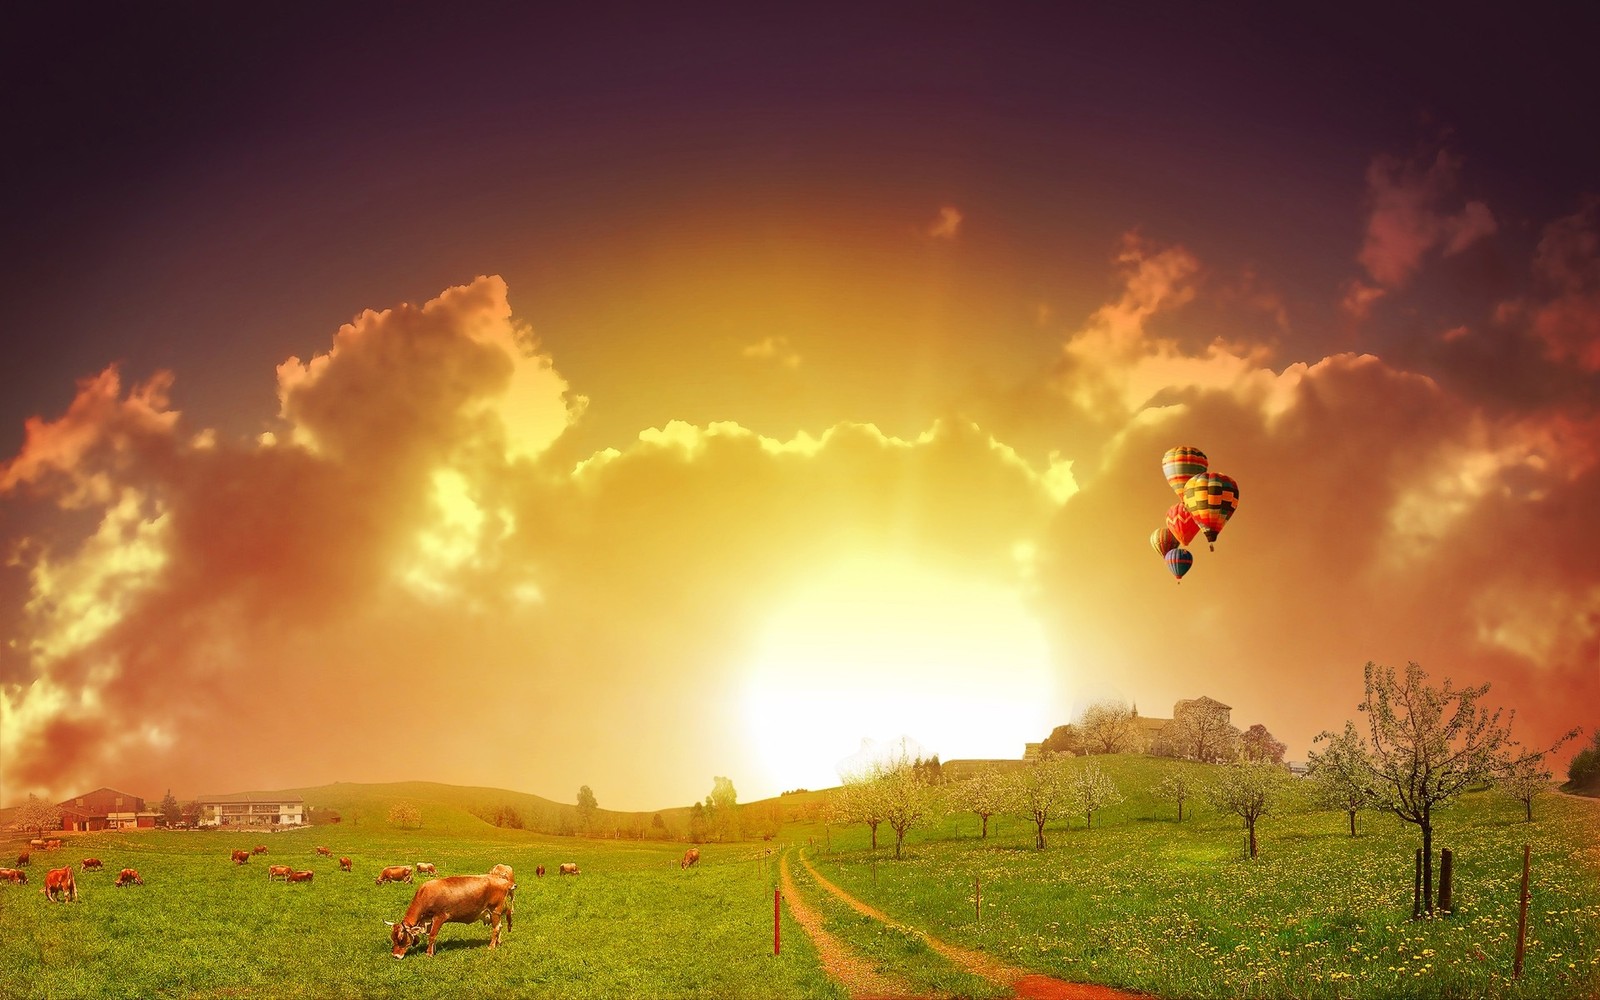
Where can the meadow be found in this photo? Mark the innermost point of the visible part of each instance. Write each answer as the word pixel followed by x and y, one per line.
pixel 1139 901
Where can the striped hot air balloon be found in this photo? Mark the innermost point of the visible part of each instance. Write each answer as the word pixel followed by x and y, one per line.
pixel 1178 562
pixel 1163 541
pixel 1182 525
pixel 1211 498
pixel 1182 462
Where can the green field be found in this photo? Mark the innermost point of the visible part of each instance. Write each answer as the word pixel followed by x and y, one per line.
pixel 1140 901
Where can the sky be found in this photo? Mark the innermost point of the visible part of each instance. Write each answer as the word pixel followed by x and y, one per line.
pixel 623 397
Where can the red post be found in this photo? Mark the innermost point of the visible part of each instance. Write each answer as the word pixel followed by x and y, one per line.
pixel 777 897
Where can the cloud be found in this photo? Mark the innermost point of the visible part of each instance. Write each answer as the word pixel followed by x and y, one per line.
pixel 774 349
pixel 1408 216
pixel 1359 298
pixel 948 225
pixel 1562 314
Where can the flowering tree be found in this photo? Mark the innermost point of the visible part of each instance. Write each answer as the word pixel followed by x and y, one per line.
pixel 1249 791
pixel 1040 792
pixel 1109 727
pixel 907 800
pixel 984 794
pixel 405 814
pixel 1258 744
pixel 1341 776
pixel 1524 782
pixel 1092 789
pixel 1174 788
pixel 37 815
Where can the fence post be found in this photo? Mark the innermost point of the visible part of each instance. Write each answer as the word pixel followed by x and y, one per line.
pixel 1446 867
pixel 1522 914
pixel 777 924
pixel 977 900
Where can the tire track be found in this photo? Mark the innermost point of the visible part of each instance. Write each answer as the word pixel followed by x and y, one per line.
pixel 858 976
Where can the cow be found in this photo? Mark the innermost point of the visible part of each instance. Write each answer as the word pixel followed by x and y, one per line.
pixel 300 876
pixel 59 886
pixel 568 868
pixel 52 844
pixel 279 871
pixel 691 857
pixel 15 875
pixel 24 859
pixel 241 857
pixel 394 873
pixel 503 871
pixel 325 852
pixel 92 864
pixel 36 842
pixel 539 872
pixel 461 899
pixel 344 865
pixel 424 868
pixel 260 849
pixel 127 877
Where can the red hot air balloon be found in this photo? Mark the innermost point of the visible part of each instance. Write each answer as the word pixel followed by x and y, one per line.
pixel 1163 541
pixel 1178 562
pixel 1182 525
pixel 1211 498
pixel 1182 462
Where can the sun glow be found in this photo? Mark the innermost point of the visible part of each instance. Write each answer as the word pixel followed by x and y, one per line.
pixel 884 649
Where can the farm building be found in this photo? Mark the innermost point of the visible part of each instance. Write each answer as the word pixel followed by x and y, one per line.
pixel 106 809
pixel 251 809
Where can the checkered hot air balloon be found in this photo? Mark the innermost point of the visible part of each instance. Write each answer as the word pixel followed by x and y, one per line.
pixel 1182 525
pixel 1163 541
pixel 1211 498
pixel 1178 562
pixel 1181 463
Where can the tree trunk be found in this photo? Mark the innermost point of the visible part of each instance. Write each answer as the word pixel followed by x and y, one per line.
pixel 1090 817
pixel 1252 839
pixel 1528 804
pixel 1352 822
pixel 874 835
pixel 1038 837
pixel 985 829
pixel 1180 810
pixel 899 838
pixel 1427 867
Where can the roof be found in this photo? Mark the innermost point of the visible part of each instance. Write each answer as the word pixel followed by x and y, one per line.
pixel 70 802
pixel 246 797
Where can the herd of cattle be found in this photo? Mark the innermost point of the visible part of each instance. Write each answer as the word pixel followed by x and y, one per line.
pixel 438 901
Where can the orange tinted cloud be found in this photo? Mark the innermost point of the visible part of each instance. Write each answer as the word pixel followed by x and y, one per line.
pixel 1409 216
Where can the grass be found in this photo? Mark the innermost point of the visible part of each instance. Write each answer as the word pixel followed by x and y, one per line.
pixel 632 924
pixel 1143 902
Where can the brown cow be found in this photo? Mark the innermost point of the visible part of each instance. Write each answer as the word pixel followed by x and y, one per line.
pixel 300 876
pixel 424 868
pixel 325 852
pixel 394 873
pixel 344 865
pixel 568 869
pixel 59 886
pixel 52 844
pixel 260 849
pixel 461 899
pixel 24 859
pixel 15 875
pixel 503 871
pixel 691 857
pixel 92 864
pixel 241 857
pixel 539 872
pixel 279 871
pixel 127 877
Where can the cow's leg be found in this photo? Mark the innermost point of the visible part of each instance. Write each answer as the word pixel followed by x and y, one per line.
pixel 494 934
pixel 433 932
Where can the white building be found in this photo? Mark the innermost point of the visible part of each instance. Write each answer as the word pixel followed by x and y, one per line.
pixel 251 809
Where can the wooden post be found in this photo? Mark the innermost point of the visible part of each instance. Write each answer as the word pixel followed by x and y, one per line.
pixel 1522 914
pixel 1416 889
pixel 777 924
pixel 977 900
pixel 1446 866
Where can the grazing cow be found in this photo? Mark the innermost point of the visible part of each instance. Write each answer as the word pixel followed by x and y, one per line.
pixel 300 876
pixel 260 849
pixel 241 857
pixel 24 859
pixel 59 886
pixel 568 869
pixel 14 875
pixel 691 857
pixel 423 868
pixel 503 871
pixel 325 852
pixel 127 877
pixel 539 872
pixel 36 842
pixel 52 844
pixel 461 899
pixel 279 871
pixel 93 864
pixel 344 865
pixel 394 873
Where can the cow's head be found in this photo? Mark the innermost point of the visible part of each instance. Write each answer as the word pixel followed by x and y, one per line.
pixel 404 937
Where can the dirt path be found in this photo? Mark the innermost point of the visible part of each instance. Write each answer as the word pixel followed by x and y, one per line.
pixel 1028 985
pixel 842 965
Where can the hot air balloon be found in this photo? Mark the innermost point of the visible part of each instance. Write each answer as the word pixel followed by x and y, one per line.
pixel 1211 498
pixel 1182 525
pixel 1163 541
pixel 1178 562
pixel 1182 462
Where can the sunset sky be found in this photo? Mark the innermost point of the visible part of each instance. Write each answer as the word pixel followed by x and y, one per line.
pixel 620 397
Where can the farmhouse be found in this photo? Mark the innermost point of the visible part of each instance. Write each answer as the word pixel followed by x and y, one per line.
pixel 1150 729
pixel 251 809
pixel 106 809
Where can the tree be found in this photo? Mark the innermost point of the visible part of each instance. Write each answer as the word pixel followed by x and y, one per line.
pixel 1174 788
pixel 405 814
pixel 1109 727
pixel 985 794
pixel 36 815
pixel 587 806
pixel 1256 744
pixel 1065 740
pixel 1201 731
pixel 1430 744
pixel 1039 792
pixel 1249 791
pixel 697 823
pixel 722 809
pixel 858 801
pixel 907 800
pixel 1584 769
pixel 171 812
pixel 1340 777
pixel 1092 789
pixel 1524 782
